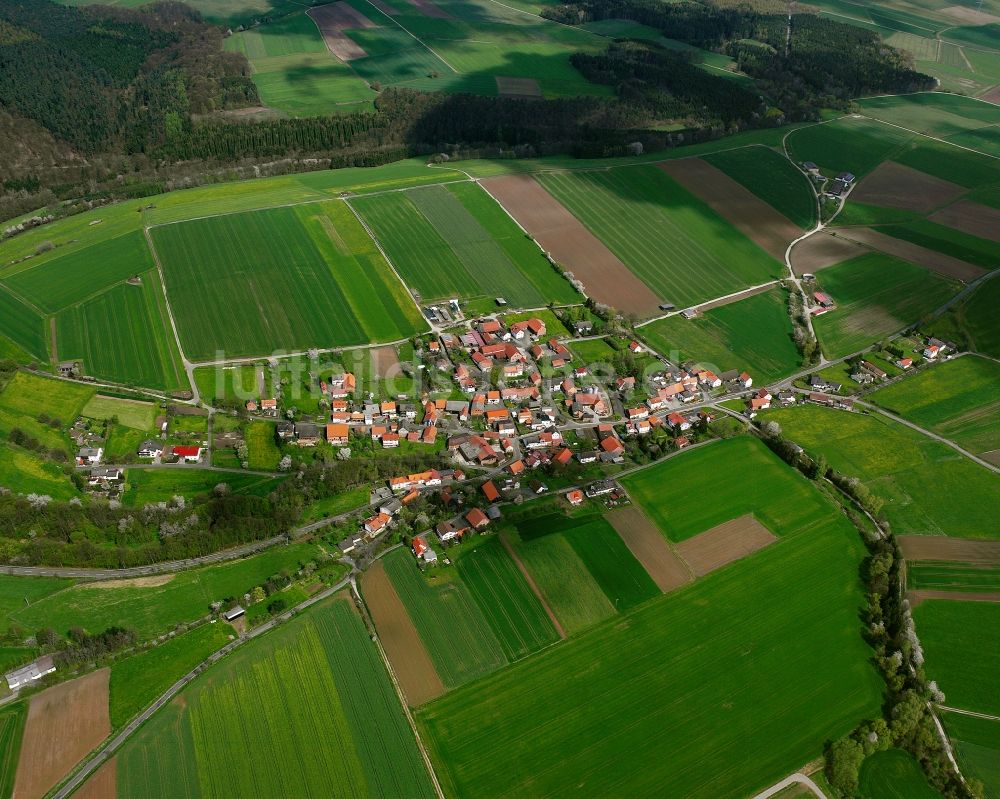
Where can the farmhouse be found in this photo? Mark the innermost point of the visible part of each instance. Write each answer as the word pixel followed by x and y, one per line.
pixel 873 370
pixel 931 351
pixel 904 363
pixel 600 488
pixel 150 449
pixel 376 524
pixel 575 496
pixel 191 454
pixel 823 300
pixel 104 474
pixel 342 385
pixel 33 672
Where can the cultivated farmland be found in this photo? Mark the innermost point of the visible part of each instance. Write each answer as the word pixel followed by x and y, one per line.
pixel 22 325
pixel 977 746
pixel 641 214
pixel 689 650
pixel 11 729
pixel 974 320
pixel 893 774
pixel 947 576
pixel 752 334
pixel 871 304
pixel 293 278
pixel 854 145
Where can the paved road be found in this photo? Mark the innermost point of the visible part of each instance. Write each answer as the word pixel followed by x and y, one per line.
pixel 101 756
pixel 799 779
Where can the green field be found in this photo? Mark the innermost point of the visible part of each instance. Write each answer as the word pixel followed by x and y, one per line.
pixel 458 637
pixel 917 478
pixel 893 774
pixel 952 633
pixel 932 113
pixel 456 240
pixel 876 295
pixel 957 399
pixel 966 168
pixel 12 719
pixel 847 144
pixel 138 680
pixel 64 280
pixel 948 576
pixel 691 694
pixel 741 476
pixel 595 351
pixel 974 320
pixel 641 214
pixel 17 593
pixel 30 395
pixel 24 326
pixel 152 610
pixel 939 238
pixel 773 178
pixel 123 334
pixel 292 278
pixel 754 334
pixel 307 710
pixel 129 413
pixel 262 450
pixel 514 614
pixel 977 746
pixel 158 485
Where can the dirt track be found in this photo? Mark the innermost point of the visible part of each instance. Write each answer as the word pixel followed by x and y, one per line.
pixel 724 543
pixel 972 218
pixel 64 723
pixel 823 250
pixel 135 582
pixel 928 547
pixel 735 203
pixel 332 20
pixel 533 586
pixel 914 253
pixel 410 660
pixel 893 185
pixel 650 548
pixel 604 276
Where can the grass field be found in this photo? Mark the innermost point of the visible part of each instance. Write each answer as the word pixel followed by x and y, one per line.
pixel 285 278
pixel 974 320
pixel 252 726
pixel 847 145
pixel 948 576
pixel 158 485
pixel 893 774
pixel 12 719
pixel 932 113
pixel 456 240
pixel 138 680
pixel 151 610
pixel 952 634
pixel 262 450
pixel 17 593
pixel 596 351
pixel 740 474
pixel 458 637
pixel 917 478
pixel 124 335
pixel 23 325
pixel 754 334
pixel 641 214
pixel 966 168
pixel 977 746
pixel 24 472
pixel 514 614
pixel 946 240
pixel 876 295
pixel 723 642
pixel 64 280
pixel 129 413
pixel 957 399
pixel 773 178
pixel 30 395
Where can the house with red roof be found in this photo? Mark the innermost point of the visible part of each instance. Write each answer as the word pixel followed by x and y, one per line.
pixel 477 519
pixel 191 454
pixel 575 496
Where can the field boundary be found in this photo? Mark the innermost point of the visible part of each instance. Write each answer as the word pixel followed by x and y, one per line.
pixel 533 586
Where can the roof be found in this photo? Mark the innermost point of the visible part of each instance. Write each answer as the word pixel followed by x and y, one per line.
pixel 476 517
pixel 337 431
pixel 490 491
pixel 186 451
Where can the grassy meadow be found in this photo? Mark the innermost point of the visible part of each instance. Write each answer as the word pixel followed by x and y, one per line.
pixel 893 774
pixel 640 214
pixel 753 334
pixel 847 144
pixel 977 747
pixel 129 413
pixel 973 321
pixel 160 485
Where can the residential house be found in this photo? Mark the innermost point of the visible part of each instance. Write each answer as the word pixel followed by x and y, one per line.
pixel 306 434
pixel 575 496
pixel 337 434
pixel 477 519
pixel 190 454
pixel 376 524
pixel 89 456
pixel 150 449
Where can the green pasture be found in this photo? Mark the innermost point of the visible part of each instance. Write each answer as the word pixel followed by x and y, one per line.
pixel 741 475
pixel 129 413
pixel 24 472
pixel 594 351
pixel 514 613
pixel 228 382
pixel 262 449
pixel 284 278
pixel 124 335
pixel 973 322
pixel 153 610
pixel 964 167
pixel 18 593
pixel 917 478
pixel 977 747
pixel 456 632
pixel 876 295
pixel 893 774
pixel 957 399
pixel 951 632
pixel 23 325
pixel 932 113
pixel 949 241
pixel 730 666
pixel 31 395
pixel 158 485
pixel 753 334
pixel 847 144
pixel 773 178
pixel 949 576
pixel 641 214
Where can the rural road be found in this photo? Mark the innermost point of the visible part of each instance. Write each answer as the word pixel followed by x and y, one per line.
pixel 108 749
pixel 799 779
pixel 961 712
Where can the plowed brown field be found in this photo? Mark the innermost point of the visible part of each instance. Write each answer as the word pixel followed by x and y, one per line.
pixel 724 543
pixel 893 185
pixel 650 548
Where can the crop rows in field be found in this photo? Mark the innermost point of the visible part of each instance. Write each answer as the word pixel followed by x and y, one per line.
pixel 514 613
pixel 977 747
pixel 22 325
pixel 283 278
pixel 948 576
pixel 753 334
pixel 11 730
pixel 847 145
pixel 671 240
pixel 455 240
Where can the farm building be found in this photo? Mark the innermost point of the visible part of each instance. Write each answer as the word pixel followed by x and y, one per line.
pixel 233 613
pixel 33 672
pixel 190 454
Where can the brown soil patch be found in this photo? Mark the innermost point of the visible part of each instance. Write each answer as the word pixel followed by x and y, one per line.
pixel 993 456
pixel 893 185
pixel 650 548
pixel 410 661
pixel 102 785
pixel 724 543
pixel 708 306
pixel 385 8
pixel 154 581
pixel 916 597
pixel 970 16
pixel 964 550
pixel 823 250
pixel 921 256
pixel 972 218
pixel 64 723
pixel 429 9
pixel 992 96
pixel 735 203
pixel 533 585
pixel 385 362
pixel 332 21
pixel 54 346
pixel 565 238
pixel 527 88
